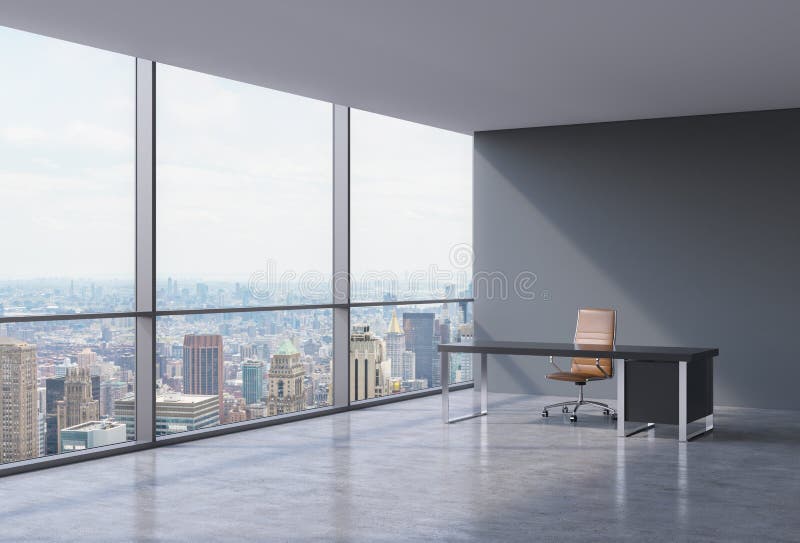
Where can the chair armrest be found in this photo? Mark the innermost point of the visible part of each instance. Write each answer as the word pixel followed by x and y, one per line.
pixel 555 365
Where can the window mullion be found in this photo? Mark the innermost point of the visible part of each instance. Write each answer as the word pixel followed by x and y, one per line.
pixel 145 250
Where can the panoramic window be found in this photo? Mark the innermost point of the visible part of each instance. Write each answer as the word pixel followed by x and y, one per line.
pixel 67 148
pixel 244 310
pixel 244 194
pixel 67 173
pixel 411 210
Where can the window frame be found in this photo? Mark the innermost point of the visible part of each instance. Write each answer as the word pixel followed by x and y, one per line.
pixel 146 311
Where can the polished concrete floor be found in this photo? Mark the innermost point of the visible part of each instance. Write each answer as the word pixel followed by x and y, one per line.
pixel 396 473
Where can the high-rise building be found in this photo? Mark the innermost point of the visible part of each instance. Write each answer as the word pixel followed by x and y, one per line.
pixel 369 368
pixel 203 361
pixel 86 358
pixel 42 424
pixel 441 335
pixel 61 369
pixel 175 413
pixel 78 405
pixel 54 392
pixel 202 292
pixel 248 351
pixel 461 363
pixel 395 345
pixel 419 339
pixel 252 381
pixel 286 374
pixel 111 391
pixel 161 366
pixel 91 434
pixel 409 366
pixel 19 422
pixel 127 362
pixel 41 416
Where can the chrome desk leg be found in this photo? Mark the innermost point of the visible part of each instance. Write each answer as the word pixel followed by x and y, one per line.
pixel 621 430
pixel 480 393
pixel 445 380
pixel 682 398
pixel 620 371
pixel 683 415
pixel 708 426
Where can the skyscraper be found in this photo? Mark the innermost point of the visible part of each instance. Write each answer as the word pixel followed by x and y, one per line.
pixel 395 345
pixel 78 406
pixel 203 365
pixel 409 366
pixel 19 423
pixel 369 368
pixel 252 381
pixel 286 375
pixel 419 339
pixel 86 358
pixel 109 392
pixel 54 392
pixel 41 415
pixel 441 335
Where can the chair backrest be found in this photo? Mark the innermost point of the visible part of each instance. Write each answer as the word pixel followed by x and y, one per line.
pixel 595 327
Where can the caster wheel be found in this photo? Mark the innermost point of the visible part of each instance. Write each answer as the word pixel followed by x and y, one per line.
pixel 573 418
pixel 565 409
pixel 545 414
pixel 606 412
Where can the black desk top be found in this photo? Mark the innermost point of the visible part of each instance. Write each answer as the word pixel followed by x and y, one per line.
pixel 627 352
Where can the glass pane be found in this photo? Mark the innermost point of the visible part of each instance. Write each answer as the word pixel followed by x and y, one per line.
pixel 393 349
pixel 244 194
pixel 67 177
pixel 223 368
pixel 60 381
pixel 410 210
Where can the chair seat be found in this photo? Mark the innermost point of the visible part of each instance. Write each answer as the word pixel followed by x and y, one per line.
pixel 573 377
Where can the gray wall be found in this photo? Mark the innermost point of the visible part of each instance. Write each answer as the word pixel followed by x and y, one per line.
pixel 689 227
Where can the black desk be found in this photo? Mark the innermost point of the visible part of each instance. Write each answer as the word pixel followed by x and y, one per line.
pixel 667 385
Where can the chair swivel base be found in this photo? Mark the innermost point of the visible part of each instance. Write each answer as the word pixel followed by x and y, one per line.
pixel 607 409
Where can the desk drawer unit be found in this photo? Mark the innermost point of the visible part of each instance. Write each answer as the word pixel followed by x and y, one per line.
pixel 651 390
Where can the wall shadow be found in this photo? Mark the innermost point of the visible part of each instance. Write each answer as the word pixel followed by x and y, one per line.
pixel 687 226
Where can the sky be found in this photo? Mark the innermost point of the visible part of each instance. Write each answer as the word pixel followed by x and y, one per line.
pixel 244 174
pixel 67 121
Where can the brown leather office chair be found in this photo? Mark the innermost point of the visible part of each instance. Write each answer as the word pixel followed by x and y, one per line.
pixel 594 327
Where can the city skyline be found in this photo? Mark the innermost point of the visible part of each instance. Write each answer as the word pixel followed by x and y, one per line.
pixel 84 370
pixel 244 214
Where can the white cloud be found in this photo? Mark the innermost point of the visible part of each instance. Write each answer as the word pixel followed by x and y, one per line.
pixel 22 134
pixel 95 137
pixel 244 173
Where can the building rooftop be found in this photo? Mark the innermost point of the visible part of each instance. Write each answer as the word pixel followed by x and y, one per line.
pixel 287 347
pixel 171 397
pixel 11 341
pixel 93 425
pixel 177 397
pixel 394 326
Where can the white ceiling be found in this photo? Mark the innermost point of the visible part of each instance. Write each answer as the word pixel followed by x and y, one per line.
pixel 465 65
